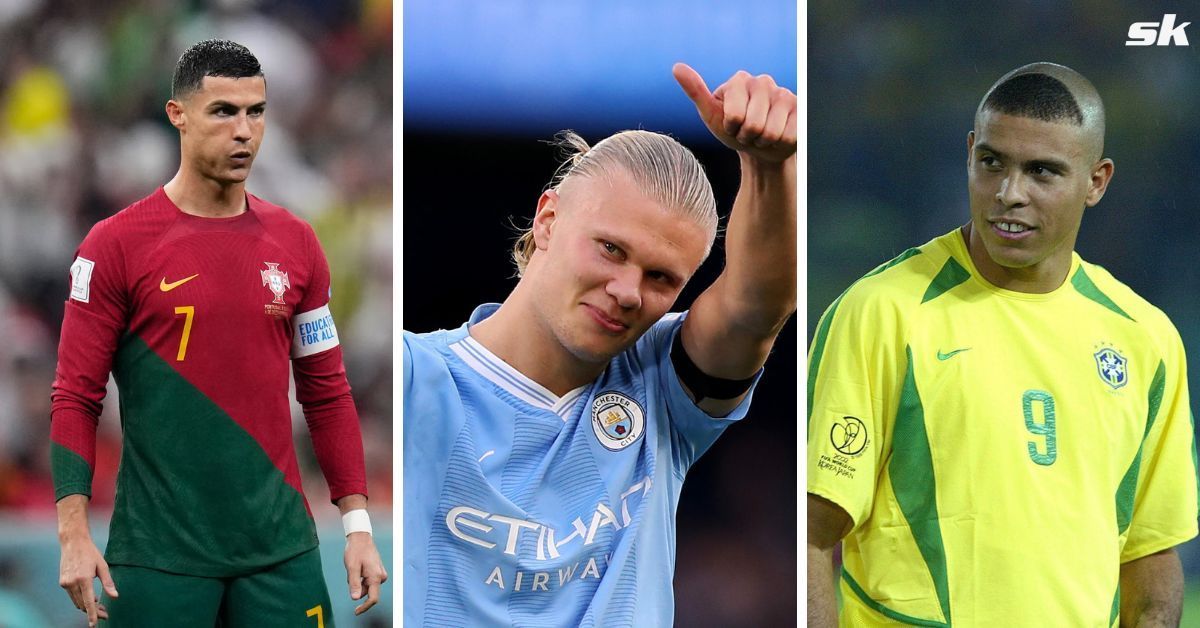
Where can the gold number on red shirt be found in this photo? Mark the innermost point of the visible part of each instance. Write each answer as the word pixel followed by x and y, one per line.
pixel 189 312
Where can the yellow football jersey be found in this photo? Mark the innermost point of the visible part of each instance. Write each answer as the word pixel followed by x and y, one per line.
pixel 1001 453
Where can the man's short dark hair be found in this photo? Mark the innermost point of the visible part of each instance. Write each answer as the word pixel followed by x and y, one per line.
pixel 1035 95
pixel 212 57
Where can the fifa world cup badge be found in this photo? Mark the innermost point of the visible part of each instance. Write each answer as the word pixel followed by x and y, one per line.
pixel 277 282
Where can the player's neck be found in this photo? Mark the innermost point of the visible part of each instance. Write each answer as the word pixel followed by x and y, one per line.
pixel 206 198
pixel 532 349
pixel 1041 278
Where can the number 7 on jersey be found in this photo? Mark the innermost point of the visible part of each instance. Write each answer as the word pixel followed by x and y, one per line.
pixel 189 312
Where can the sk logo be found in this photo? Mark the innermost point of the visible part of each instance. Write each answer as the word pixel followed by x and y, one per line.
pixel 849 436
pixel 1152 34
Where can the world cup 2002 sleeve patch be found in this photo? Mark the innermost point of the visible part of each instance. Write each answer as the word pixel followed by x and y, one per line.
pixel 849 439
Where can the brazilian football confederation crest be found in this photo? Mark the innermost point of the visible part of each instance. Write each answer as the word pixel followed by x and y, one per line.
pixel 276 281
pixel 617 420
pixel 1112 367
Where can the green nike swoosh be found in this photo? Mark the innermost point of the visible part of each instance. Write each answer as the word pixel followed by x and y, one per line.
pixel 947 356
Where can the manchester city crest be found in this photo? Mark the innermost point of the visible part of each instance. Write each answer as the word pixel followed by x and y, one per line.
pixel 1112 367
pixel 617 420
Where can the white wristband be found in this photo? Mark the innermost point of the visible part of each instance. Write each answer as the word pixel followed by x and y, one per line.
pixel 356 521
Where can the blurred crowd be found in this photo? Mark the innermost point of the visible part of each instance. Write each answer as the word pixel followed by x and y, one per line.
pixel 83 133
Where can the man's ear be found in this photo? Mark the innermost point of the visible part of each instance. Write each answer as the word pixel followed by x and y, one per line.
pixel 543 220
pixel 176 114
pixel 1102 173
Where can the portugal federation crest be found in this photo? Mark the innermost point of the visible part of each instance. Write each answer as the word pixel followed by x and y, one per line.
pixel 617 420
pixel 276 281
pixel 1112 367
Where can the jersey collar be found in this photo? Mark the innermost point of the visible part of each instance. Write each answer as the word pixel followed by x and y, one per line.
pixel 502 374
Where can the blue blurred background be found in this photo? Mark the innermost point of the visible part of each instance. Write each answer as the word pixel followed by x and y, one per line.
pixel 83 134
pixel 892 94
pixel 485 85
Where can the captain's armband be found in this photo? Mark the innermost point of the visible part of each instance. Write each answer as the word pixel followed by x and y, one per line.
pixel 313 332
pixel 702 385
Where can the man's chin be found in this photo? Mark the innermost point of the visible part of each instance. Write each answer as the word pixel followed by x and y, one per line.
pixel 598 352
pixel 1014 262
pixel 233 176
pixel 1011 257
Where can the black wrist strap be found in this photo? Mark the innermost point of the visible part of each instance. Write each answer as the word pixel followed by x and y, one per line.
pixel 702 385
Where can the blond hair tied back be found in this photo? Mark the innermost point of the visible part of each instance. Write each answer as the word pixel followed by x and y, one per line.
pixel 662 168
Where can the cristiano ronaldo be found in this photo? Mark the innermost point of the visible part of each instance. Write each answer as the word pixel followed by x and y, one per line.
pixel 200 299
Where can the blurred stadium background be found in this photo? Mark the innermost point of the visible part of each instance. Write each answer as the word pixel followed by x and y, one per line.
pixel 83 134
pixel 485 84
pixel 894 94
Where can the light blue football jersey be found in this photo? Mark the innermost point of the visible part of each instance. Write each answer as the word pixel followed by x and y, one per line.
pixel 523 508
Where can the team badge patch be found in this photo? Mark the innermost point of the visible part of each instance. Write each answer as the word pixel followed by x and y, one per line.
pixel 1112 367
pixel 276 281
pixel 617 420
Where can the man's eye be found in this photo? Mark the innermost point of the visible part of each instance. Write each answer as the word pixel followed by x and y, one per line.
pixel 659 277
pixel 611 248
pixel 989 161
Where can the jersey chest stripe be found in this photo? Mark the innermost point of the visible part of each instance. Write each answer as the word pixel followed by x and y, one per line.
pixel 1127 490
pixel 1195 462
pixel 914 484
pixel 951 274
pixel 1083 284
pixel 883 610
pixel 818 348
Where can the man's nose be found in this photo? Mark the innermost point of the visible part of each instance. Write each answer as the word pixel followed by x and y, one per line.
pixel 1013 191
pixel 625 287
pixel 241 130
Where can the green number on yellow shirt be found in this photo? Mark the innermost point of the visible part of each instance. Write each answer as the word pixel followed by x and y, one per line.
pixel 1044 428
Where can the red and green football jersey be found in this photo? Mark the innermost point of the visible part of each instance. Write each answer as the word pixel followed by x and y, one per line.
pixel 199 319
